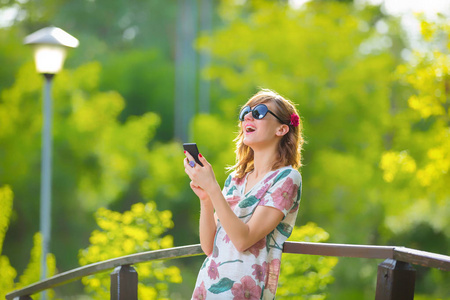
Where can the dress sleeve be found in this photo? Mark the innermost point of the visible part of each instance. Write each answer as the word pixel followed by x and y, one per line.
pixel 284 193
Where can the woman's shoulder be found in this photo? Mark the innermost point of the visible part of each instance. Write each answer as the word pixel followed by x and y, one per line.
pixel 288 172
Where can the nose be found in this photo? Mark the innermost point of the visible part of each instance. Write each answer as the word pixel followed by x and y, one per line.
pixel 248 116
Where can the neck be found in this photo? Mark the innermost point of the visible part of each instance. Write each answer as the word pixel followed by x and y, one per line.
pixel 264 160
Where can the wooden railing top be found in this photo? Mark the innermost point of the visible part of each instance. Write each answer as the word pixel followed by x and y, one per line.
pixel 78 273
pixel 415 257
pixel 426 259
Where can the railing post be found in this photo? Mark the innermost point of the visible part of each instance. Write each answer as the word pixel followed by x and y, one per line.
pixel 395 280
pixel 124 283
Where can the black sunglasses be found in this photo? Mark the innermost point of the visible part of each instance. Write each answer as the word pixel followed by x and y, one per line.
pixel 258 112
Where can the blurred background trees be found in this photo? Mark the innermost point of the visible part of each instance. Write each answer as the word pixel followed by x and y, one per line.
pixel 375 110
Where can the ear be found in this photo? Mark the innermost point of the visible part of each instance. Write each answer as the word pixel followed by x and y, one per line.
pixel 282 130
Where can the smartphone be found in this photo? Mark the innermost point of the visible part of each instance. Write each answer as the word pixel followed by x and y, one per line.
pixel 193 150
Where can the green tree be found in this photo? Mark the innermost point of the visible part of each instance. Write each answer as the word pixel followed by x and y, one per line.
pixel 372 158
pixel 98 161
pixel 12 55
pixel 417 162
pixel 32 271
pixel 132 40
pixel 139 229
pixel 306 277
pixel 106 25
pixel 145 79
pixel 7 280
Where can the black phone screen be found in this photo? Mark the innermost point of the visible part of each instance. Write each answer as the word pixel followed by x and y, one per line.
pixel 193 150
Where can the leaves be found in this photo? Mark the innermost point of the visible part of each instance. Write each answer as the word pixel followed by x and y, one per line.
pixel 417 167
pixel 231 191
pixel 97 159
pixel 6 204
pixel 32 272
pixel 248 202
pixel 140 229
pixel 285 229
pixel 306 276
pixel 374 136
pixel 223 285
pixel 282 175
pixel 7 280
pixel 228 181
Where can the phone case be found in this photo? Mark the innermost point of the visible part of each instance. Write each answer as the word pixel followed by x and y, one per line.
pixel 193 150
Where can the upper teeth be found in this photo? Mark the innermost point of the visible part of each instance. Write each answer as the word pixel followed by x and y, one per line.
pixel 250 128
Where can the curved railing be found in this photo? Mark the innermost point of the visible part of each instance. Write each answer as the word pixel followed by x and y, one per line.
pixel 395 279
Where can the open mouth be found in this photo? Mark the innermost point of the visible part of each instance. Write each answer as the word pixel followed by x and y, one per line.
pixel 249 129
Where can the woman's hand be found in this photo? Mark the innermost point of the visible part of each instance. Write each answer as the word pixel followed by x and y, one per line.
pixel 201 194
pixel 202 178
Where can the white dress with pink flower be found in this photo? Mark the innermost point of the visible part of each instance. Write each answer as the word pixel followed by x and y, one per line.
pixel 252 274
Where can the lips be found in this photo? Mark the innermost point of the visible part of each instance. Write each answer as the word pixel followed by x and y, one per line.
pixel 249 128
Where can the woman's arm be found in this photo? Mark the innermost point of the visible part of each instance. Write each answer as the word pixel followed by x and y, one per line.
pixel 243 235
pixel 207 224
pixel 207 227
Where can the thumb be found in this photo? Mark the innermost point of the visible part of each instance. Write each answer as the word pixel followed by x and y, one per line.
pixel 193 185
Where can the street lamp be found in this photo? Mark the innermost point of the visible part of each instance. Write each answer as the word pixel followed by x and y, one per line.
pixel 50 45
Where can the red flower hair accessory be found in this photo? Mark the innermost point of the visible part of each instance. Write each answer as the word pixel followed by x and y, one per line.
pixel 295 120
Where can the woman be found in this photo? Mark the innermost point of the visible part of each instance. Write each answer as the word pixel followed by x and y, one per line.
pixel 244 226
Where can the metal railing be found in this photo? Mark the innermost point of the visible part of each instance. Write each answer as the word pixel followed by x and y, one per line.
pixel 395 278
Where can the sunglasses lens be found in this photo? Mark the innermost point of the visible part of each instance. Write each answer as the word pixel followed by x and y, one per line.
pixel 244 111
pixel 259 111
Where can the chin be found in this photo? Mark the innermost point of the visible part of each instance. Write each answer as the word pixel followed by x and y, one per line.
pixel 247 142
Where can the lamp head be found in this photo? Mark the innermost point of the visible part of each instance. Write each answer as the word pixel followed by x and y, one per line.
pixel 50 45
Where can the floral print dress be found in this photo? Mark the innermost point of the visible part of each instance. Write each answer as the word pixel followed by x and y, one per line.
pixel 252 274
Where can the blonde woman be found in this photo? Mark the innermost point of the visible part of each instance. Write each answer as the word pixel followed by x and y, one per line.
pixel 244 226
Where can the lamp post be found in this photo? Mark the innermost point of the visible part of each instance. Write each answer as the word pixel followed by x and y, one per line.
pixel 50 45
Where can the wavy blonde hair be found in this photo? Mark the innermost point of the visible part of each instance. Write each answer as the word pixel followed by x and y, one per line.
pixel 290 145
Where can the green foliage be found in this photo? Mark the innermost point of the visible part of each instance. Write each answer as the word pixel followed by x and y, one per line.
pixel 215 139
pixel 6 201
pixel 418 163
pixel 7 279
pixel 139 229
pixel 377 153
pixel 12 55
pixel 306 276
pixel 32 272
pixel 97 161
pixel 167 172
pixel 8 272
pixel 145 79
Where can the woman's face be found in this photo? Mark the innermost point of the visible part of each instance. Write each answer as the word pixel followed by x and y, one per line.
pixel 261 133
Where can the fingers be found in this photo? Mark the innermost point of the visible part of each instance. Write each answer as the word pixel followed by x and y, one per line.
pixel 199 175
pixel 186 165
pixel 189 156
pixel 189 163
pixel 194 186
pixel 203 160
